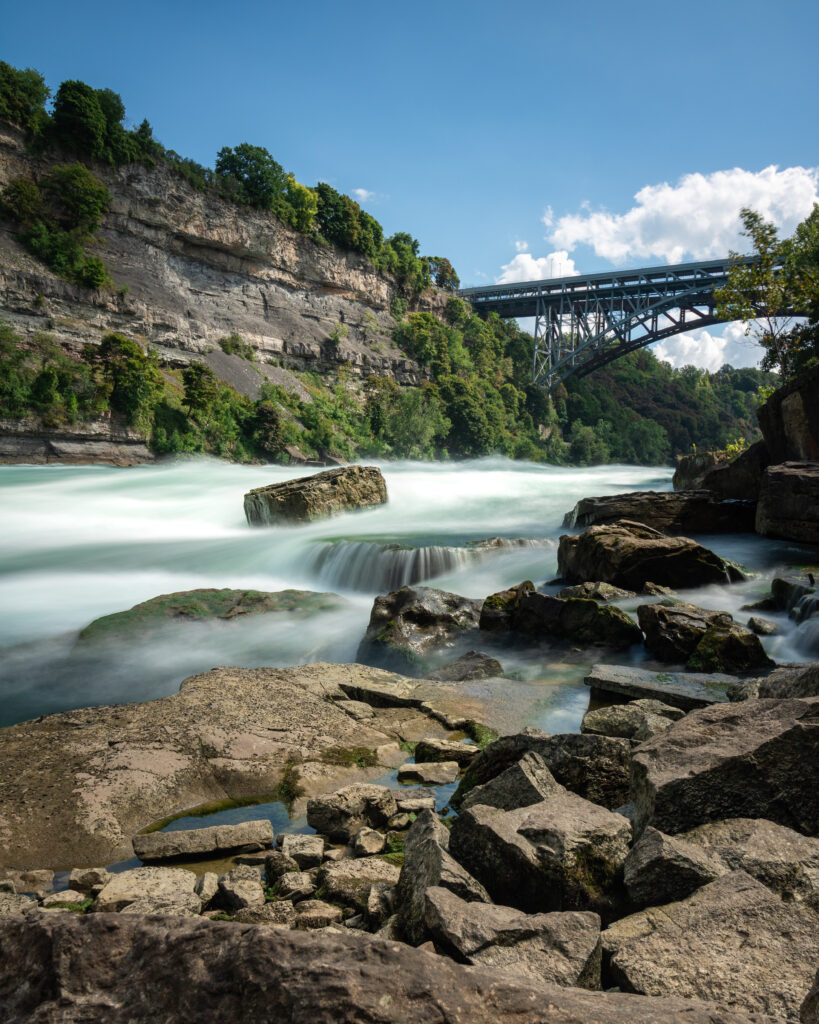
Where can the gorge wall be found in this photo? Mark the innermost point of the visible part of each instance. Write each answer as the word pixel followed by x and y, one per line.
pixel 191 268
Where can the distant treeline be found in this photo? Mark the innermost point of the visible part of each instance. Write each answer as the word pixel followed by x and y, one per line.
pixel 90 124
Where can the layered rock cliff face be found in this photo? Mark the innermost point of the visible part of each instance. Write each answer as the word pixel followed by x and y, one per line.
pixel 192 268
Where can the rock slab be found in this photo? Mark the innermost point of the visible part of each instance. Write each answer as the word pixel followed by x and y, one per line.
pixel 316 497
pixel 194 842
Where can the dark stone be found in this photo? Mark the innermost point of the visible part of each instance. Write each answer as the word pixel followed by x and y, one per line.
pixel 661 868
pixel 595 767
pixel 629 555
pixel 741 477
pixel 666 511
pixel 472 665
pixel 340 815
pixel 754 759
pixel 674 630
pixel 790 419
pixel 684 690
pixel 577 620
pixel 522 784
pixel 789 502
pixel 110 969
pixel 409 624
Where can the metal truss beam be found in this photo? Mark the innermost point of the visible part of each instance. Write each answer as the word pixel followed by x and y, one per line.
pixel 587 321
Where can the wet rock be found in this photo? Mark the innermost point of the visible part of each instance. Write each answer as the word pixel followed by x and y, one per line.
pixel 145 622
pixel 789 502
pixel 427 862
pixel 526 782
pixel 414 804
pixel 762 627
pixel 497 610
pixel 88 879
pixel 472 665
pixel 316 497
pixel 241 887
pixel 277 864
pixel 729 649
pixel 296 886
pixel 277 914
pixel 755 759
pixel 132 966
pixel 742 476
pixel 402 820
pixel 594 767
pixel 340 815
pixel 560 948
pixel 743 945
pixel 169 884
pixel 629 554
pixel 409 624
pixel 790 419
pixel 661 869
pixel 692 469
pixel 37 882
pixel 684 690
pixel 350 881
pixel 790 681
pixel 306 851
pixel 674 630
pixel 778 857
pixel 433 773
pixel 313 914
pixel 667 511
pixel 431 749
pixel 576 620
pixel 369 842
pixel 595 592
pixel 636 720
pixel 563 853
pixel 195 842
pixel 183 905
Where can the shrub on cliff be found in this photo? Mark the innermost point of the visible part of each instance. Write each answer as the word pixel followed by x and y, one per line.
pixel 128 376
pixel 23 95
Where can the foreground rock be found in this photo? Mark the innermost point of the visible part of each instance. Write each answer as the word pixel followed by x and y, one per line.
pixel 472 665
pixel 145 620
pixel 577 620
pixel 350 881
pixel 786 681
pixel 247 836
pixel 409 624
pixel 172 885
pixel 78 785
pixel 789 502
pixel 563 853
pixel 684 690
pixel 522 784
pixel 316 497
pixel 707 641
pixel 742 945
pixel 660 869
pixel 667 511
pixel 778 857
pixel 594 767
pixel 117 970
pixel 755 759
pixel 560 948
pixel 629 555
pixel 427 862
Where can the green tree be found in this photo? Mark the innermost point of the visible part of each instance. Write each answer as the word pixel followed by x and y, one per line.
pixel 259 179
pixel 267 428
pixel 77 199
pixel 22 199
pixel 23 95
pixel 79 121
pixel 201 388
pixel 129 375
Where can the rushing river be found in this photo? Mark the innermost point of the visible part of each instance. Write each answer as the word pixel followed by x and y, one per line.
pixel 81 542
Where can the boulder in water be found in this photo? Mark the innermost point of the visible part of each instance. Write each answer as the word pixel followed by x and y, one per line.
pixel 668 511
pixel 316 497
pixel 196 842
pixel 413 622
pixel 789 502
pixel 472 665
pixel 629 554
pixel 189 606
pixel 684 690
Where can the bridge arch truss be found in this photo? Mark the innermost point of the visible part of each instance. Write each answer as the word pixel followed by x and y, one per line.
pixel 587 321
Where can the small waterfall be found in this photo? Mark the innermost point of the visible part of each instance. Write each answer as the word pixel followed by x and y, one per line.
pixel 381 568
pixel 805 607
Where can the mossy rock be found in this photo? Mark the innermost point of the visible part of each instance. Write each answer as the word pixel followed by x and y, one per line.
pixel 200 606
pixel 729 649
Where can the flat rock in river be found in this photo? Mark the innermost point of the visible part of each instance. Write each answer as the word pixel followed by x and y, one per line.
pixel 316 497
pixel 684 690
pixel 255 835
pixel 79 784
pixel 668 511
pixel 139 970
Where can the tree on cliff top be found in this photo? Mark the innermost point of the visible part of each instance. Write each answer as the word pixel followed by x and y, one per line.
pixel 259 179
pixel 23 95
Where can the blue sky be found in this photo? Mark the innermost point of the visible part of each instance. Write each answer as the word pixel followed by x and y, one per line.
pixel 496 138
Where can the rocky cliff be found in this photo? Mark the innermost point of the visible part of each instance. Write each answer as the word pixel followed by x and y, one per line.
pixel 191 268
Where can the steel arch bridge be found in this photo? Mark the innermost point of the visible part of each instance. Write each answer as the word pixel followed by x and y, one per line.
pixel 587 321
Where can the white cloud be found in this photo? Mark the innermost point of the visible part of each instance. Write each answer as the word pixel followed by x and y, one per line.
pixel 526 267
pixel 362 195
pixel 698 218
pixel 521 246
pixel 708 350
pixel 548 217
